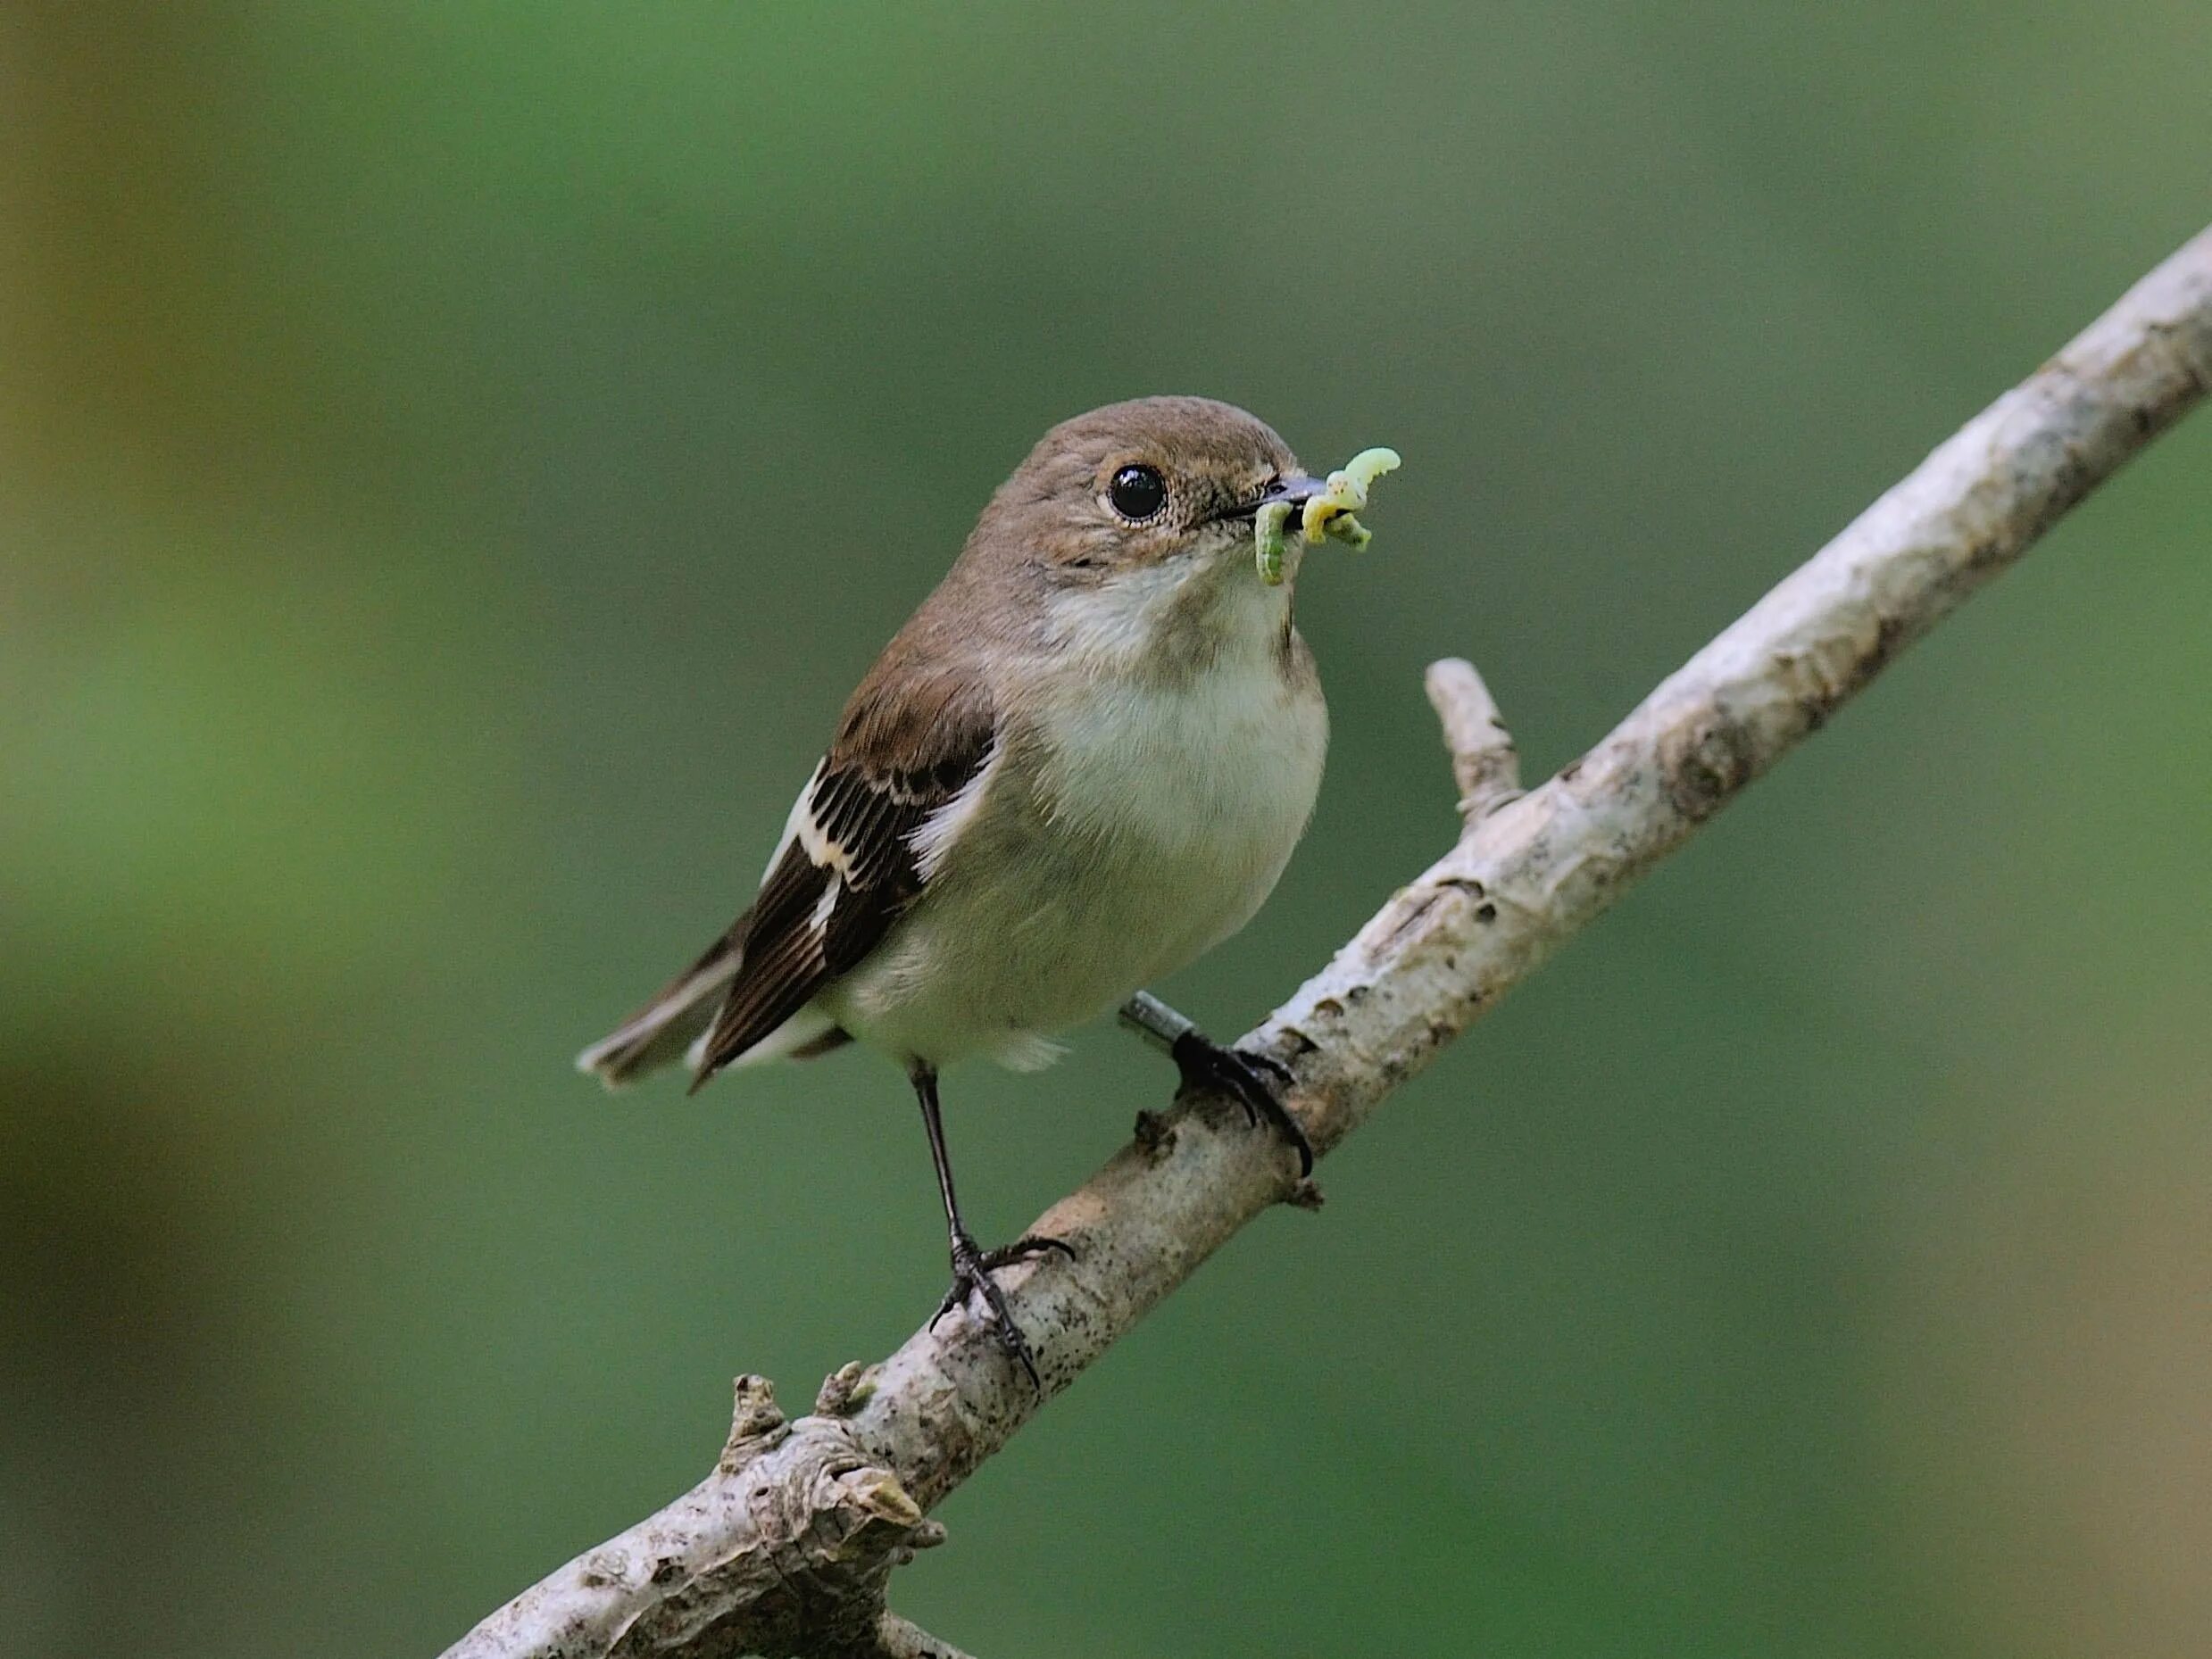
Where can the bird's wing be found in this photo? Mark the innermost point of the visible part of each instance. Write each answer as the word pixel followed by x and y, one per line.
pixel 911 761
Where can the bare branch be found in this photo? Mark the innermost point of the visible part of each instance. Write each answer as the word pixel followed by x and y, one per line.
pixel 785 1548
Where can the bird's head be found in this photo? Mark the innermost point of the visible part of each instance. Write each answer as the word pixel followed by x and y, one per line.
pixel 1150 495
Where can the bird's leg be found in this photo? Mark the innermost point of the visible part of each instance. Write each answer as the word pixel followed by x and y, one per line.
pixel 1251 1080
pixel 971 1265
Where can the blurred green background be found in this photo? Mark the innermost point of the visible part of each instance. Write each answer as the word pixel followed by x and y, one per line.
pixel 457 456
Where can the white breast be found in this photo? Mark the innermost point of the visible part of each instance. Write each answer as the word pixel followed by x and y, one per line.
pixel 1153 813
pixel 1205 762
pixel 1217 773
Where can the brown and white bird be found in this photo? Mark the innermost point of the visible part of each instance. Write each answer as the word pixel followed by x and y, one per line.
pixel 1082 763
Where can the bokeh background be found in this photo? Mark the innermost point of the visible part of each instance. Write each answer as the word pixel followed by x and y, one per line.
pixel 456 457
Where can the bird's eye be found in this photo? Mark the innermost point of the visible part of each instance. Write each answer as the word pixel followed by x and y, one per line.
pixel 1137 493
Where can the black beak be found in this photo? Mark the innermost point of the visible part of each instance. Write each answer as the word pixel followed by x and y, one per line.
pixel 1295 490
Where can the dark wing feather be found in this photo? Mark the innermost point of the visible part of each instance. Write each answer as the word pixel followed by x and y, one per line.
pixel 908 745
pixel 660 1032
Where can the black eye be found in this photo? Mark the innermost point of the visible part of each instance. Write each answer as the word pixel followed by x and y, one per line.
pixel 1137 493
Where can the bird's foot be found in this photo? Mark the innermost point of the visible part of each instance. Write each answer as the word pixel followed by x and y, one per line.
pixel 1251 1080
pixel 972 1268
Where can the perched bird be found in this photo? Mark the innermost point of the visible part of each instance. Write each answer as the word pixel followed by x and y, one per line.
pixel 1081 764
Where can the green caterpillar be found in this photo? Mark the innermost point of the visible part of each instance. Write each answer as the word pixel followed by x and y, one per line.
pixel 1267 531
pixel 1328 513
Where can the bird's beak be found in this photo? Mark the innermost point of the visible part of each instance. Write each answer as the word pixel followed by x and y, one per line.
pixel 1297 491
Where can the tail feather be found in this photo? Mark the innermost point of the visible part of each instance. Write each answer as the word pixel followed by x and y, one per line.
pixel 658 1033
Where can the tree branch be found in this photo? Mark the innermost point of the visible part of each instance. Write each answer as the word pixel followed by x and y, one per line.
pixel 787 1546
pixel 1484 764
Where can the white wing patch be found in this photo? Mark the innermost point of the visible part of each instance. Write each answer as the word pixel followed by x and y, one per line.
pixel 822 852
pixel 935 835
pixel 828 903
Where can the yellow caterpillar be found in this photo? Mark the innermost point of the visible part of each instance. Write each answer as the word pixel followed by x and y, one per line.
pixel 1328 513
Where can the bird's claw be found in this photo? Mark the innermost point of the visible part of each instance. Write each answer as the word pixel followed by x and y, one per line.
pixel 1245 1078
pixel 972 1268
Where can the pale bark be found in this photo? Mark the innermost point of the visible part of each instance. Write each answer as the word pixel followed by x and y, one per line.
pixel 785 1548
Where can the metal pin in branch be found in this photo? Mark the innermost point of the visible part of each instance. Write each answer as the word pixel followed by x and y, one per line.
pixel 1328 513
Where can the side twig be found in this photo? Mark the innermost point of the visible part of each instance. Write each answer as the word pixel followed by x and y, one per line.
pixel 1484 764
pixel 787 1546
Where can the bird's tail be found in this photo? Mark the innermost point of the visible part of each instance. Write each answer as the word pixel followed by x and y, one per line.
pixel 659 1033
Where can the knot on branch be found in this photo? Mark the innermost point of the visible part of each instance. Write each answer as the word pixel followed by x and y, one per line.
pixel 755 1423
pixel 830 1525
pixel 846 1390
pixel 785 1549
pixel 1706 760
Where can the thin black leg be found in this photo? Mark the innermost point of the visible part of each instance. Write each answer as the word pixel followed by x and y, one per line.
pixel 933 1120
pixel 971 1266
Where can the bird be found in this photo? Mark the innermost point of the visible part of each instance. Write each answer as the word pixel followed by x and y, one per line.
pixel 1082 762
